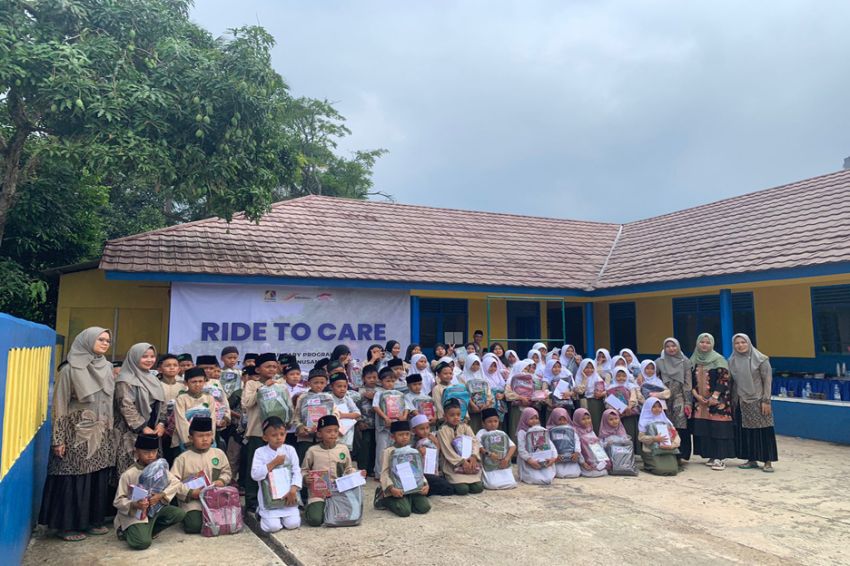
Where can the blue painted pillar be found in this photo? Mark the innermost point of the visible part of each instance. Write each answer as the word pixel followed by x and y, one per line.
pixel 414 319
pixel 726 324
pixel 589 340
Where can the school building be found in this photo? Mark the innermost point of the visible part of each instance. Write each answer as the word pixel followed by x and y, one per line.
pixel 773 263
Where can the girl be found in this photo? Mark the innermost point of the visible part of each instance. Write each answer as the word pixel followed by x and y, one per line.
pixel 618 444
pixel 539 362
pixel 375 356
pixel 392 350
pixel 419 364
pixel 674 369
pixel 496 375
pixel 659 440
pixel 480 396
pixel 594 464
pixel 499 352
pixel 628 393
pixel 456 371
pixel 411 350
pixel 603 364
pixel 569 461
pixel 714 433
pixel 533 468
pixel 440 351
pixel 554 375
pixel 631 361
pixel 471 369
pixel 517 402
pixel 569 359
pixel 542 350
pixel 511 358
pixel 591 386
pixel 139 402
pixel 651 384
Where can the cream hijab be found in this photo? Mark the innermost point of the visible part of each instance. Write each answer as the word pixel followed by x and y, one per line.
pixel 149 387
pixel 743 367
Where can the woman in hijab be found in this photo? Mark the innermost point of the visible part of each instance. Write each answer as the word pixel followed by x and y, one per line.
pixel 755 439
pixel 139 402
pixel 714 433
pixel 569 359
pixel 76 494
pixel 659 440
pixel 674 369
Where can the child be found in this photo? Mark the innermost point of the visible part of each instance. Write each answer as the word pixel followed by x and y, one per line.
pixel 249 360
pixel 533 469
pixel 397 365
pixel 594 463
pixel 190 402
pixel 628 392
pixel 419 365
pixel 569 461
pixel 185 361
pixel 327 456
pixel 650 384
pixel 603 364
pixel 445 377
pixel 266 369
pixel 277 454
pixel 480 396
pixel 382 421
pixel 660 450
pixel 344 406
pixel 207 363
pixel 496 478
pixel 317 380
pixel 201 458
pixel 140 532
pixel 416 399
pixel 169 369
pixel 496 375
pixel 464 474
pixel 388 496
pixel 365 434
pixel 618 444
pixel 591 386
pixel 292 376
pixel 423 438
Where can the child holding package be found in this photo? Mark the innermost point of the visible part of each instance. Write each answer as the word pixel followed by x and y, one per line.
pixel 383 422
pixel 189 403
pixel 659 440
pixel 496 467
pixel 424 439
pixel 617 443
pixel 594 458
pixel 445 377
pixel 366 426
pixel 536 463
pixel 388 496
pixel 345 407
pixel 277 510
pixel 569 461
pixel 201 460
pixel 462 470
pixel 169 368
pixel 132 522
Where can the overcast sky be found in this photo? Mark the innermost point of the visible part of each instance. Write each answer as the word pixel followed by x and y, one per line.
pixel 610 111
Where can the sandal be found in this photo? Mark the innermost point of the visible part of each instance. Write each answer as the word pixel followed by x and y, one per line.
pixel 749 466
pixel 719 466
pixel 709 463
pixel 71 536
pixel 97 531
pixel 768 469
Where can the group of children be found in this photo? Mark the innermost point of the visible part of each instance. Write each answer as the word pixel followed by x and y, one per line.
pixel 419 428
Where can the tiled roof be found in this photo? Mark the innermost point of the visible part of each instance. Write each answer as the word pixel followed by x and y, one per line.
pixel 802 224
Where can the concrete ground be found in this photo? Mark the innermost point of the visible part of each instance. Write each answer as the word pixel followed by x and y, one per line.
pixel 798 515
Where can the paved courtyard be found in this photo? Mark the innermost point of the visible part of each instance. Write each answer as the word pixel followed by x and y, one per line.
pixel 798 515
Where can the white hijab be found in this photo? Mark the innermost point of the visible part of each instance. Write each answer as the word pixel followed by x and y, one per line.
pixel 508 356
pixel 428 379
pixel 588 382
pixel 467 369
pixel 629 384
pixel 540 364
pixel 549 375
pixel 654 380
pixel 634 366
pixel 565 361
pixel 647 418
pixel 520 367
pixel 495 379
pixel 606 366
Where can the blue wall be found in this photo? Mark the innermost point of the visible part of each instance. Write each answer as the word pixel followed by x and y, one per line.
pixel 818 420
pixel 21 487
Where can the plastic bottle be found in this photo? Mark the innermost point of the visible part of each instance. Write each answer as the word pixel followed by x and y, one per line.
pixel 783 392
pixel 807 394
pixel 836 393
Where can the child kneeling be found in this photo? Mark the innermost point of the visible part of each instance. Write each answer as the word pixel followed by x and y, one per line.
pixel 388 495
pixel 139 532
pixel 277 511
pixel 461 467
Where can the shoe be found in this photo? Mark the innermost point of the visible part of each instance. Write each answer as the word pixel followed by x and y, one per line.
pixel 709 463
pixel 379 499
pixel 719 466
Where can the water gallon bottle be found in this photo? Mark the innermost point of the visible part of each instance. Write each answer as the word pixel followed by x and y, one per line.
pixel 836 393
pixel 783 392
pixel 807 394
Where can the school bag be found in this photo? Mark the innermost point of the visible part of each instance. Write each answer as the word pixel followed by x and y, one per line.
pixel 457 446
pixel 477 391
pixel 622 393
pixel 231 381
pixel 221 405
pixel 496 443
pixel 274 402
pixel 344 508
pixel 221 511
pixel 315 406
pixel 564 440
pixel 411 457
pixel 500 405
pixel 652 430
pixel 621 451
pixel 424 405
pixel 523 385
pixel 538 444
pixel 556 402
pixel 154 479
pixel 392 404
pixel 269 502
pixel 459 392
pixel 592 451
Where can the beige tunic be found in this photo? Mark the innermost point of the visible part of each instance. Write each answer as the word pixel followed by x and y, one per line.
pixel 251 408
pixel 172 390
pixel 185 402
pixel 334 460
pixel 126 516
pixel 437 394
pixel 212 462
pixel 451 458
pixel 386 479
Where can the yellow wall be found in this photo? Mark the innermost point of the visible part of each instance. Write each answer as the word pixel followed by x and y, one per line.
pixel 654 323
pixel 602 332
pixel 141 309
pixel 784 324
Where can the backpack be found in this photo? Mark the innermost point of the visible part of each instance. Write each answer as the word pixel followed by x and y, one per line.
pixel 266 489
pixel 523 385
pixel 564 440
pixel 222 408
pixel 392 404
pixel 496 443
pixel 424 405
pixel 274 402
pixel 459 392
pixel 622 455
pixel 231 381
pixel 344 508
pixel 457 446
pixel 222 511
pixel 477 391
pixel 154 479
pixel 315 406
pixel 411 456
pixel 538 444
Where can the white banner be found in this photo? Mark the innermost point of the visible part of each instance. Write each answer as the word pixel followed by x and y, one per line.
pixel 306 321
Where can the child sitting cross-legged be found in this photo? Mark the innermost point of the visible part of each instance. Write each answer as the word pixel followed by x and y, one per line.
pixel 389 495
pixel 277 510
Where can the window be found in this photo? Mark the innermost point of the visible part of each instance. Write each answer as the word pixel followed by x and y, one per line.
pixel 694 315
pixel 437 317
pixel 574 318
pixel 623 323
pixel 831 312
pixel 523 326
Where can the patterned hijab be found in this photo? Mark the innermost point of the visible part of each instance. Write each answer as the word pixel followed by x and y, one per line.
pixel 708 360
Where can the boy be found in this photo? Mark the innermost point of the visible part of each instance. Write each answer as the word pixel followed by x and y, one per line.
pixel 276 454
pixel 387 496
pixel 292 377
pixel 397 365
pixel 190 401
pixel 463 473
pixel 137 532
pixel 169 368
pixel 185 361
pixel 414 397
pixel 229 358
pixel 424 438
pixel 327 456
pixel 249 360
pixel 344 405
pixel 207 363
pixel 366 427
pixel 201 458
pixel 266 369
pixel 445 374
pixel 305 437
pixel 504 480
pixel 382 422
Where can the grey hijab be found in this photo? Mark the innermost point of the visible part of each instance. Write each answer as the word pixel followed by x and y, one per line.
pixel 89 372
pixel 673 368
pixel 149 388
pixel 743 367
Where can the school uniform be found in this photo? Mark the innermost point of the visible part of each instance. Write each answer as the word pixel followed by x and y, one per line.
pixel 492 479
pixel 273 520
pixel 140 532
pixel 365 433
pixel 337 461
pixel 182 404
pixel 383 439
pixel 463 484
pixel 527 474
pixel 400 506
pixel 295 392
pixel 346 405
pixel 253 437
pixel 213 462
pixel 169 443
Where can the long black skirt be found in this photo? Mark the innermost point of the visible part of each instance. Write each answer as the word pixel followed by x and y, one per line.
pixel 755 444
pixel 714 439
pixel 77 503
